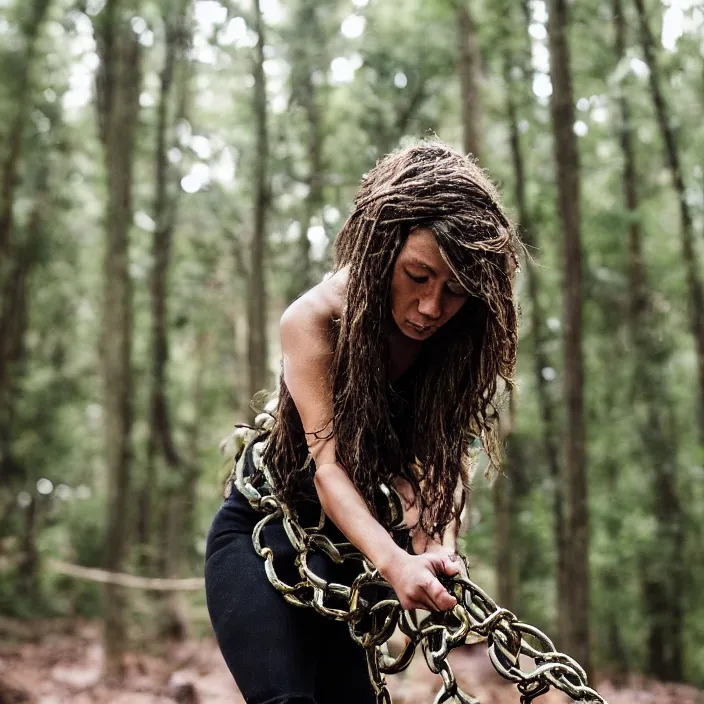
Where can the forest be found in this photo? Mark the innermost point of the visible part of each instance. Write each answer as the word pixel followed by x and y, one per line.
pixel 173 174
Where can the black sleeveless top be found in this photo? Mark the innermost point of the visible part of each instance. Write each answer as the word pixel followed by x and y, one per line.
pixel 307 507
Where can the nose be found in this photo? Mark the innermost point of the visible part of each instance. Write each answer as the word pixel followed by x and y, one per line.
pixel 430 305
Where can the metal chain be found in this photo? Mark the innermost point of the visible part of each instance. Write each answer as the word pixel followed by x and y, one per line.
pixel 372 621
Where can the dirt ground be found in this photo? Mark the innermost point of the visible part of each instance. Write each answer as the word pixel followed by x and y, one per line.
pixel 63 666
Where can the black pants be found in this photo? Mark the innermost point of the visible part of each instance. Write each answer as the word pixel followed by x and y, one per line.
pixel 277 653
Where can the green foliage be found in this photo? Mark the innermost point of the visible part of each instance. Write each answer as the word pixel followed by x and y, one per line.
pixel 388 78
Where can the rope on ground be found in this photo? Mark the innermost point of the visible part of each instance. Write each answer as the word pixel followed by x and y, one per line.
pixel 122 579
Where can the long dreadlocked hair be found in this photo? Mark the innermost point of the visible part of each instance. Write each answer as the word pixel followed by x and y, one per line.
pixel 453 388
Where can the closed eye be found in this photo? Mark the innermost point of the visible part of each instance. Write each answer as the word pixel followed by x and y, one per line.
pixel 417 279
pixel 455 288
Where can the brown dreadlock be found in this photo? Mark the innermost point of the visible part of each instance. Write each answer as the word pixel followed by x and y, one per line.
pixel 453 385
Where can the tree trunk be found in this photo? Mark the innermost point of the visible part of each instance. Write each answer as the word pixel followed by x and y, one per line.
pixel 15 261
pixel 663 581
pixel 29 566
pixel 16 357
pixel 537 317
pixel 314 201
pixel 689 250
pixel 161 445
pixel 203 344
pixel 165 202
pixel 13 323
pixel 256 310
pixel 615 656
pixel 386 136
pixel 30 28
pixel 638 305
pixel 180 507
pixel 239 382
pixel 308 57
pixel 468 65
pixel 160 442
pixel 575 601
pixel 504 510
pixel 117 94
pixel 469 72
pixel 502 493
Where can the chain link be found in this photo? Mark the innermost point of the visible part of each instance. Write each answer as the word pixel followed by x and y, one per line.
pixel 372 620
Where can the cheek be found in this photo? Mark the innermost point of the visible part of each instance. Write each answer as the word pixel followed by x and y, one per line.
pixel 454 306
pixel 401 295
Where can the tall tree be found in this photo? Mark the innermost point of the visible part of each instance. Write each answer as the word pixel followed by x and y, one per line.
pixel 575 601
pixel 24 266
pixel 33 15
pixel 663 578
pixel 468 64
pixel 170 110
pixel 519 85
pixel 469 72
pixel 28 245
pixel 503 497
pixel 257 351
pixel 309 58
pixel 117 100
pixel 14 257
pixel 672 157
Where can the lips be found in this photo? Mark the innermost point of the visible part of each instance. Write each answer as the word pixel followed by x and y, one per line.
pixel 419 328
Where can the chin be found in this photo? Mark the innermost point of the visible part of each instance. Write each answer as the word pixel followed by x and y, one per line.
pixel 410 332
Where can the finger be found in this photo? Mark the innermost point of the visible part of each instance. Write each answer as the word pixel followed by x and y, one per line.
pixel 420 601
pixel 449 566
pixel 445 564
pixel 442 600
pixel 423 600
pixel 427 604
pixel 411 604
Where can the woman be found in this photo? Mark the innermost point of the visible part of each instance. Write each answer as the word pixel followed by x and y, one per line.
pixel 390 373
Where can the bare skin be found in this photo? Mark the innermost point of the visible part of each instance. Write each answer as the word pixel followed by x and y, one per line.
pixel 424 296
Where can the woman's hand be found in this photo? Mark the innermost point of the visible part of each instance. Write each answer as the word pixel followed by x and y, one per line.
pixel 414 579
pixel 450 554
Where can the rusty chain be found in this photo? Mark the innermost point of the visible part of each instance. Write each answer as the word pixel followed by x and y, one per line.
pixel 372 621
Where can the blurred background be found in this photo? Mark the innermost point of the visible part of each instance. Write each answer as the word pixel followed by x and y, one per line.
pixel 173 174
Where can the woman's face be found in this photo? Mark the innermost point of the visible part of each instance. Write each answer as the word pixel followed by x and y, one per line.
pixel 424 292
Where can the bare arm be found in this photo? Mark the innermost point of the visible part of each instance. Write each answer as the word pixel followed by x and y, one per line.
pixel 422 542
pixel 305 341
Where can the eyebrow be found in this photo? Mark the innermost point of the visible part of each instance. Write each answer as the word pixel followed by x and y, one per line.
pixel 423 265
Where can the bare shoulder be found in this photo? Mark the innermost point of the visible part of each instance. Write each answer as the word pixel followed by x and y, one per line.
pixel 317 306
pixel 307 355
